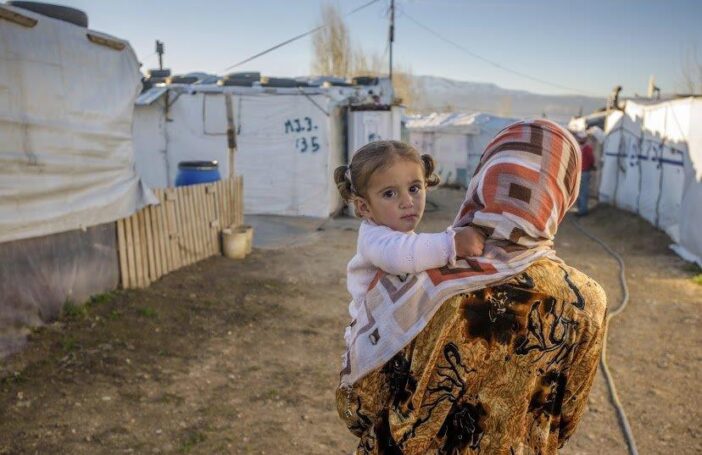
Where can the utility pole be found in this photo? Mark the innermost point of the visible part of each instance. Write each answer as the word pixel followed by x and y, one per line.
pixel 392 32
pixel 159 51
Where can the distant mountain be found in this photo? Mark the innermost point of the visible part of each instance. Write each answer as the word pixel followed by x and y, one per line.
pixel 438 94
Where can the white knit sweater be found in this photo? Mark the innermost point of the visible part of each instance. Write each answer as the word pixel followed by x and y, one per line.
pixel 396 253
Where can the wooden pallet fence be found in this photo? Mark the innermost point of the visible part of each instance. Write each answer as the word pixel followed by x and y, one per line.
pixel 184 228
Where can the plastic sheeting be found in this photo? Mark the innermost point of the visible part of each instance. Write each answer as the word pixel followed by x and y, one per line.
pixel 66 103
pixel 368 126
pixel 652 165
pixel 288 144
pixel 37 276
pixel 456 141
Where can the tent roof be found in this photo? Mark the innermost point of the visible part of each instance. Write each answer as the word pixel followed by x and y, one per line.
pixel 458 122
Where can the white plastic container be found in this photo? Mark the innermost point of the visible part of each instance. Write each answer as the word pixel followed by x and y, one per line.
pixel 248 231
pixel 234 243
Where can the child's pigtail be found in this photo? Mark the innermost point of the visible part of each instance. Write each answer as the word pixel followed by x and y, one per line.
pixel 431 178
pixel 343 182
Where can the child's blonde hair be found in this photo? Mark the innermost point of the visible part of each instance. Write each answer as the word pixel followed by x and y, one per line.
pixel 352 180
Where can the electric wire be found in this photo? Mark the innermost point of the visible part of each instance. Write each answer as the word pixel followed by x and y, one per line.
pixel 491 62
pixel 623 420
pixel 295 38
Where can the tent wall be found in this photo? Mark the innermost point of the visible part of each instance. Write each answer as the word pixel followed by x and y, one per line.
pixel 149 130
pixel 66 103
pixel 287 145
pixel 287 150
pixel 651 166
pixel 38 275
pixel 368 126
pixel 456 141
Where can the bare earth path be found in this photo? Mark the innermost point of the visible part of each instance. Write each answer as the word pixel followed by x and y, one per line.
pixel 242 357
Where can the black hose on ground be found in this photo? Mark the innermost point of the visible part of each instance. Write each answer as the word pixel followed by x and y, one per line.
pixel 623 420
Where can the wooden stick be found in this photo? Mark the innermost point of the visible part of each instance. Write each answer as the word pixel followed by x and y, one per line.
pixel 122 251
pixel 200 220
pixel 163 239
pixel 150 257
pixel 182 210
pixel 212 219
pixel 131 255
pixel 137 250
pixel 191 223
pixel 144 247
pixel 173 229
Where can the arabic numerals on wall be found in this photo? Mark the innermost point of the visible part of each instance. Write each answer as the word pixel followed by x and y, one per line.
pixel 303 129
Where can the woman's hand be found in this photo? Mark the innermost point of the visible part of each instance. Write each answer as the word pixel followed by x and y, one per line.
pixel 469 242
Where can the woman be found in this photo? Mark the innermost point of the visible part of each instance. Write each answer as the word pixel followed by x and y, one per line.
pixel 498 354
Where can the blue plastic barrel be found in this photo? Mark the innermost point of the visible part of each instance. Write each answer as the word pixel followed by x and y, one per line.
pixel 194 172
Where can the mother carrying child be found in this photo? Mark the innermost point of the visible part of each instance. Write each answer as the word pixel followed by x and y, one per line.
pixel 479 338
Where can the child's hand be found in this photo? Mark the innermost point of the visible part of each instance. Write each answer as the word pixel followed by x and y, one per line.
pixel 469 242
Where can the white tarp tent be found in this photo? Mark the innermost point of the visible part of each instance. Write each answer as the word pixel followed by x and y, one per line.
pixel 66 104
pixel 288 142
pixel 653 166
pixel 455 140
pixel 365 126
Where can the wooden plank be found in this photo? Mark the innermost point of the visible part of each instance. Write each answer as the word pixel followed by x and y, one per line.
pixel 151 259
pixel 212 223
pixel 144 248
pixel 172 229
pixel 192 245
pixel 156 233
pixel 137 250
pixel 122 248
pixel 144 245
pixel 131 261
pixel 203 221
pixel 184 235
pixel 218 204
pixel 163 232
pixel 154 243
pixel 193 223
pixel 199 222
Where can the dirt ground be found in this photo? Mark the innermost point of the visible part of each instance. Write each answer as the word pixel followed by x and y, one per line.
pixel 242 356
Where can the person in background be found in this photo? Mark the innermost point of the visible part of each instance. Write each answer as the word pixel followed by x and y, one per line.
pixel 588 164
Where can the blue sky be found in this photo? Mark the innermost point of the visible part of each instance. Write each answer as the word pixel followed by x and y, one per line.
pixel 590 45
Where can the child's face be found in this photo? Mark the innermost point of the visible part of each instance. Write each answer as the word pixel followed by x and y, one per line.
pixel 395 197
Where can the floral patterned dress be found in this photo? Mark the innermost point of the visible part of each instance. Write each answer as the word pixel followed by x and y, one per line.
pixel 503 370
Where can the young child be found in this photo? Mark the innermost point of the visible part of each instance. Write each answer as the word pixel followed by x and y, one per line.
pixel 387 183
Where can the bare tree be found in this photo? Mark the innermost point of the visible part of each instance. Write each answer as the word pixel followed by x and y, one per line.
pixel 405 86
pixel 691 72
pixel 333 56
pixel 332 46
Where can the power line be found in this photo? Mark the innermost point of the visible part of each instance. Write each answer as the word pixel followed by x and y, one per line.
pixel 491 62
pixel 295 38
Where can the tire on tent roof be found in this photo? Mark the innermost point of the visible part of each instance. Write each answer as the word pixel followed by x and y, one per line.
pixel 64 13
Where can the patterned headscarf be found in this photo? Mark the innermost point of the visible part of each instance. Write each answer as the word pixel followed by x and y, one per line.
pixel 527 179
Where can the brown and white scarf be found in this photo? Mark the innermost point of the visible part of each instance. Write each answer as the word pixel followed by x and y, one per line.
pixel 527 179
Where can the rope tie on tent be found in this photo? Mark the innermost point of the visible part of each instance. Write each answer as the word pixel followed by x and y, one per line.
pixel 623 420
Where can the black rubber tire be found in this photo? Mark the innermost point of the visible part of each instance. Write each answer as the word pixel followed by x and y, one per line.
pixel 63 13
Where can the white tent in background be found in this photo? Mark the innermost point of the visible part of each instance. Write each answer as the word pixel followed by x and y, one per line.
pixel 653 166
pixel 367 124
pixel 288 142
pixel 455 140
pixel 66 163
pixel 66 157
